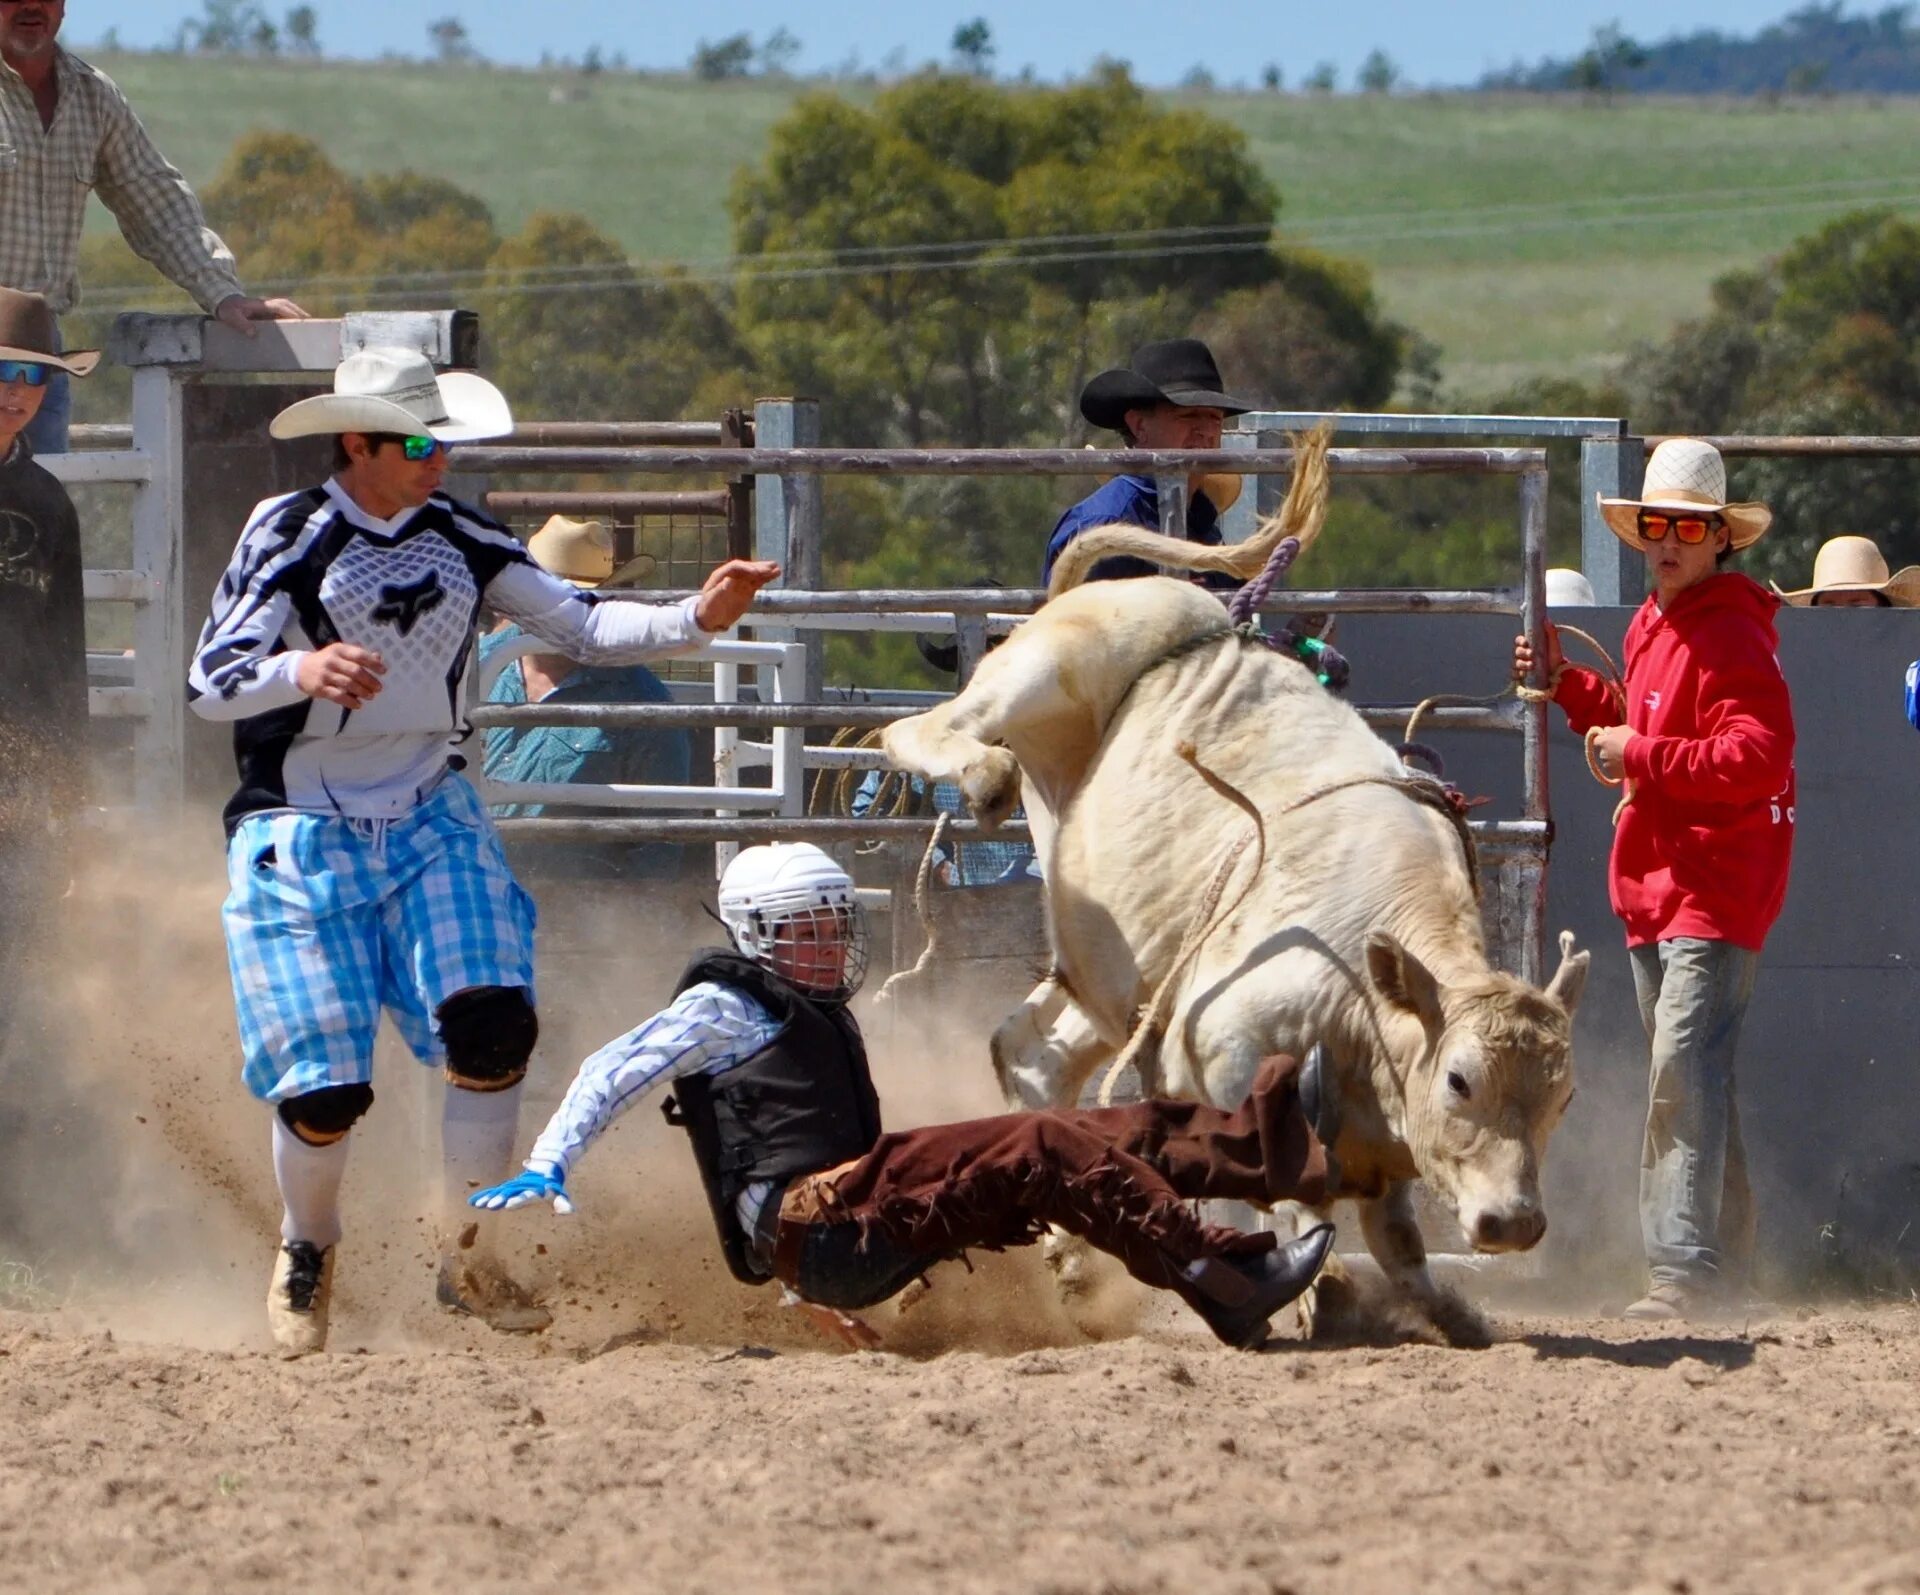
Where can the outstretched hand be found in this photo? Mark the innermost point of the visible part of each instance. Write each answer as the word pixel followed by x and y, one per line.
pixel 728 592
pixel 534 1185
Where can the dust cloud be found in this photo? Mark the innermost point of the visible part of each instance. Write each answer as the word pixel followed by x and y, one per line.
pixel 136 1186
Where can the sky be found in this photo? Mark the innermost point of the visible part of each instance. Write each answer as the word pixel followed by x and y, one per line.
pixel 1448 42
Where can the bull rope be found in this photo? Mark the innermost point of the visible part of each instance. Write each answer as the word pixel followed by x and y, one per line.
pixel 1204 923
pixel 1419 789
pixel 922 880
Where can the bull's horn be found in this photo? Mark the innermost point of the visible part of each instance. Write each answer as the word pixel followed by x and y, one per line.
pixel 1570 979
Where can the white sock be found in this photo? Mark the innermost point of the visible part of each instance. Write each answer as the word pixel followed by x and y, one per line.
pixel 309 1180
pixel 477 1132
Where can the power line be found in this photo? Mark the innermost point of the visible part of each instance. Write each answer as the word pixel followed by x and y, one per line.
pixel 395 287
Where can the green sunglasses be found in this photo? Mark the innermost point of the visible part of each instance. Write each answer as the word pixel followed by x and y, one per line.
pixel 34 373
pixel 420 449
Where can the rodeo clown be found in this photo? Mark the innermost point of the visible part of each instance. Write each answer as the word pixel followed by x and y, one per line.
pixel 770 1081
pixel 364 873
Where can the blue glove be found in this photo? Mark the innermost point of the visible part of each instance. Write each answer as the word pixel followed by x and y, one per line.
pixel 535 1185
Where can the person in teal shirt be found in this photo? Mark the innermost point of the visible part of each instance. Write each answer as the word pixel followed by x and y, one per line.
pixel 581 552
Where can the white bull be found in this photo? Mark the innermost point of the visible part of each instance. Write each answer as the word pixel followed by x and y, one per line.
pixel 1144 728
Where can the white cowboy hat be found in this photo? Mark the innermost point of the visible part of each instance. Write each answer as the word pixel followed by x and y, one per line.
pixel 1684 474
pixel 1855 565
pixel 396 390
pixel 581 552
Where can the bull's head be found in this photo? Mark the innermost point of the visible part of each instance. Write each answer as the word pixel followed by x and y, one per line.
pixel 1494 1077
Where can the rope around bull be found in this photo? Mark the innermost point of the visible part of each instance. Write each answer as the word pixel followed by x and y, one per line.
pixel 1418 788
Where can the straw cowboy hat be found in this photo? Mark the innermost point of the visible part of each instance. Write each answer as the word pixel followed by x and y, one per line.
pixel 1685 475
pixel 581 552
pixel 27 333
pixel 1178 371
pixel 396 390
pixel 1855 565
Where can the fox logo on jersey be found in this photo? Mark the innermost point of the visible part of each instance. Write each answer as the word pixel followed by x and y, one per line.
pixel 402 607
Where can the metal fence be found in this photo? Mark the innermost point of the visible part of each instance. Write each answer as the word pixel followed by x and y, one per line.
pixel 1513 851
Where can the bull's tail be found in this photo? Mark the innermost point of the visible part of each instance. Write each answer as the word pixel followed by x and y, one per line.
pixel 1301 516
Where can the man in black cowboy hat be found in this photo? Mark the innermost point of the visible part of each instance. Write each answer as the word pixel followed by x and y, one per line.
pixel 1168 398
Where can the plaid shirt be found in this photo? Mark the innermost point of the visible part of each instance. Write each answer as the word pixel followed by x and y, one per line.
pixel 96 143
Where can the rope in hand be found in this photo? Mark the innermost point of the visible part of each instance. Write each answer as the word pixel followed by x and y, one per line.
pixel 1616 689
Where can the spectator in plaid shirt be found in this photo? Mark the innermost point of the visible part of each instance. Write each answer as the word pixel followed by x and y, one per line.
pixel 66 131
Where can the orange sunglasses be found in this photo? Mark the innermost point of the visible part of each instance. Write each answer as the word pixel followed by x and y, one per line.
pixel 1654 526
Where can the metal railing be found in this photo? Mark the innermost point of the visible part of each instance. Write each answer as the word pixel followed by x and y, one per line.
pixel 1515 849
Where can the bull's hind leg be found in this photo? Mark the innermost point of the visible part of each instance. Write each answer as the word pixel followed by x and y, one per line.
pixel 1014 697
pixel 1393 1237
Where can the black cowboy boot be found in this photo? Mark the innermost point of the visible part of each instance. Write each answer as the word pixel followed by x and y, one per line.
pixel 1238 1298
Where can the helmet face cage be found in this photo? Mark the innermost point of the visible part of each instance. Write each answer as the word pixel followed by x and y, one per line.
pixel 784 940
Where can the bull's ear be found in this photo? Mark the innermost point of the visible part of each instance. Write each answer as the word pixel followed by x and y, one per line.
pixel 1403 980
pixel 1570 979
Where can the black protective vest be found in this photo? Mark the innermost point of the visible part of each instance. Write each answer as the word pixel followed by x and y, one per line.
pixel 802 1103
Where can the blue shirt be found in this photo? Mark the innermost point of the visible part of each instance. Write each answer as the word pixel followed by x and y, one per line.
pixel 986 863
pixel 571 754
pixel 1134 500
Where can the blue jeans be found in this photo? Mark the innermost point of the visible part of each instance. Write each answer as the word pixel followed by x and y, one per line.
pixel 46 433
pixel 1696 1209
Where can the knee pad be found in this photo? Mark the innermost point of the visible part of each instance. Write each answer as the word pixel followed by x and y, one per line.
pixel 489 1034
pixel 327 1114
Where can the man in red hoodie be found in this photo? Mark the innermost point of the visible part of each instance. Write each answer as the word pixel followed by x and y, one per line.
pixel 1704 744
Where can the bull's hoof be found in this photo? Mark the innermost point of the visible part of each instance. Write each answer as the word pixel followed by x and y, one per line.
pixel 1069 1258
pixel 1346 1309
pixel 991 787
pixel 1459 1322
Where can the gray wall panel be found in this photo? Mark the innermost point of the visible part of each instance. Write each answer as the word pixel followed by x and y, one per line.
pixel 1830 1070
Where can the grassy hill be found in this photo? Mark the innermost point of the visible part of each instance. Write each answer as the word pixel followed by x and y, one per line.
pixel 1523 234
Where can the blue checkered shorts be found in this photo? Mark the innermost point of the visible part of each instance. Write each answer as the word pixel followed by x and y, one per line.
pixel 330 920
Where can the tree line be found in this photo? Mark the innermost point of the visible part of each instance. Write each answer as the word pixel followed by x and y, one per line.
pixel 949 264
pixel 1817 49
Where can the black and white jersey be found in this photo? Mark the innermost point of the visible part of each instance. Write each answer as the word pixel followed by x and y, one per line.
pixel 312 569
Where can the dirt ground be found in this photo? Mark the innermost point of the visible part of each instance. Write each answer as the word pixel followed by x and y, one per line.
pixel 676 1432
pixel 1573 1455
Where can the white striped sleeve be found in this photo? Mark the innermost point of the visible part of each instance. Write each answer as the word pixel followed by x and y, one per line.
pixel 591 630
pixel 242 666
pixel 708 1028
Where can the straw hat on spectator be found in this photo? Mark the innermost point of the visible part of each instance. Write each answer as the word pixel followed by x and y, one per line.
pixel 1685 476
pixel 581 552
pixel 1856 565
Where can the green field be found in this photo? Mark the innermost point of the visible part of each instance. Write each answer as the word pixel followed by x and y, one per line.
pixel 1523 235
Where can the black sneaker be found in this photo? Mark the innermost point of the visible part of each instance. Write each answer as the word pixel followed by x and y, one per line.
pixel 298 1297
pixel 1237 1299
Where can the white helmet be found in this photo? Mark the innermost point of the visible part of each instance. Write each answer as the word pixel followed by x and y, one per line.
pixel 796 888
pixel 1568 589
